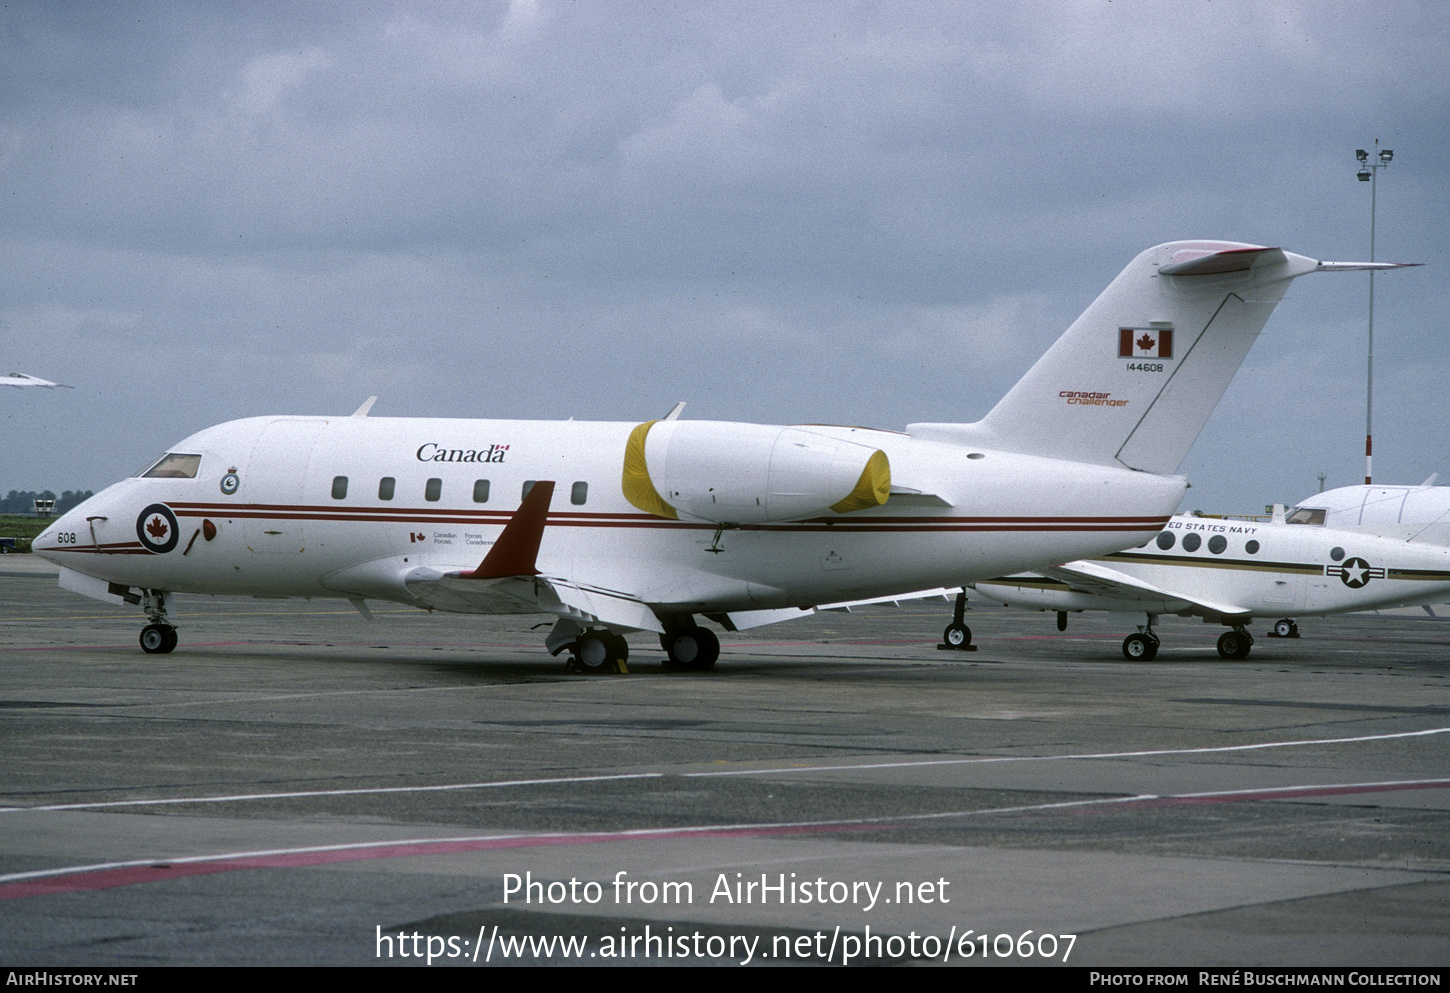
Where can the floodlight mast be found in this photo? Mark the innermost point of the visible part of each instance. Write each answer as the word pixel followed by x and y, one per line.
pixel 1369 167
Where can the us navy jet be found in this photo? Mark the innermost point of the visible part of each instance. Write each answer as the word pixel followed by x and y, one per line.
pixel 619 527
pixel 1231 571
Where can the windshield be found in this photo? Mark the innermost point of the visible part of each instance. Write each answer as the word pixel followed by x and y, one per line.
pixel 1305 515
pixel 174 466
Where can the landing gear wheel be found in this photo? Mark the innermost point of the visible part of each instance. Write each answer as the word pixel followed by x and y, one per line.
pixel 957 635
pixel 158 639
pixel 1285 628
pixel 1234 644
pixel 693 648
pixel 1140 648
pixel 598 651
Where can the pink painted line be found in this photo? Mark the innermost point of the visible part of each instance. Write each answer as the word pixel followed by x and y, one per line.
pixel 131 875
pixel 1292 792
pixel 110 877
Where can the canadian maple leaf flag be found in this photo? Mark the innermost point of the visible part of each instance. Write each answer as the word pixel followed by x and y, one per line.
pixel 1145 343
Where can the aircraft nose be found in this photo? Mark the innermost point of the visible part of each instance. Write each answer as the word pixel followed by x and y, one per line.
pixel 64 533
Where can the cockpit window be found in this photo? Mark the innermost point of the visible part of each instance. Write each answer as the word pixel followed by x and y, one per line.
pixel 174 466
pixel 1306 515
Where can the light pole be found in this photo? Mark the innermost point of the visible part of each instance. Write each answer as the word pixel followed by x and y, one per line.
pixel 1369 167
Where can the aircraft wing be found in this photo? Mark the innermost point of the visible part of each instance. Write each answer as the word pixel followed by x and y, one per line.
pixel 508 580
pixel 744 620
pixel 1099 580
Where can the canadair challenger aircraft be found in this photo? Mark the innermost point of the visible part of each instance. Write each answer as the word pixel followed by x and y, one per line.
pixel 616 527
pixel 1230 571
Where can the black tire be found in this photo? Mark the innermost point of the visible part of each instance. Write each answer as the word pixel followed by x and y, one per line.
pixel 1234 645
pixel 957 635
pixel 158 639
pixel 1285 628
pixel 693 648
pixel 594 652
pixel 1140 648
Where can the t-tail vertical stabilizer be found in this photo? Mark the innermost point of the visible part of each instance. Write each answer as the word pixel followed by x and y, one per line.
pixel 1133 380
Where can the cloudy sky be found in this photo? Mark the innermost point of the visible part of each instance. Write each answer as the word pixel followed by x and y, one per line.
pixel 870 213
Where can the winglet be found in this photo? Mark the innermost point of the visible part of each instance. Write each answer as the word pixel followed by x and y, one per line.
pixel 516 549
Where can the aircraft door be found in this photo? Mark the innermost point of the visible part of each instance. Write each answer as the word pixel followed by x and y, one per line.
pixel 274 484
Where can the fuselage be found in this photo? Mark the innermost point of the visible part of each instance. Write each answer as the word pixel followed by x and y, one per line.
pixel 347 506
pixel 1213 567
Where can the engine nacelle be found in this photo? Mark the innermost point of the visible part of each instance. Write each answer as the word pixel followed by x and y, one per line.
pixel 729 473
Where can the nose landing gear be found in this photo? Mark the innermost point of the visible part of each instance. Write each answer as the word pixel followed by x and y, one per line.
pixel 158 637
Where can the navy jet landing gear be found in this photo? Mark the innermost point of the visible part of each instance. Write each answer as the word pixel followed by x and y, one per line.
pixel 1285 627
pixel 1142 645
pixel 957 635
pixel 691 647
pixel 1235 644
pixel 158 637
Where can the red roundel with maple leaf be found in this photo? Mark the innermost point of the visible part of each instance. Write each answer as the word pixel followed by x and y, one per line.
pixel 157 528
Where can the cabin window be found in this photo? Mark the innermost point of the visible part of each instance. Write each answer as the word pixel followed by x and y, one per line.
pixel 579 494
pixel 1252 547
pixel 1165 540
pixel 1191 542
pixel 1217 544
pixel 528 485
pixel 339 487
pixel 1336 553
pixel 1305 515
pixel 386 485
pixel 174 466
pixel 480 491
pixel 433 490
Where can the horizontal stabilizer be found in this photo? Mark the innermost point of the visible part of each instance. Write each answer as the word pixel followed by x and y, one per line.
pixel 1133 380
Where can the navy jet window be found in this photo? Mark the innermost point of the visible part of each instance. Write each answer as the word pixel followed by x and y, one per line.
pixel 1165 540
pixel 579 494
pixel 433 490
pixel 386 485
pixel 1217 544
pixel 1191 542
pixel 339 487
pixel 174 465
pixel 1252 547
pixel 480 491
pixel 1336 553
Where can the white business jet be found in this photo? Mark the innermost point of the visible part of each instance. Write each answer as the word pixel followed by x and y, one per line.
pixel 617 527
pixel 1231 571
pixel 21 380
pixel 1410 513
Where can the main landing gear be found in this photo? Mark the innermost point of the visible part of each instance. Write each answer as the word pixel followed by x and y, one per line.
pixel 691 647
pixel 598 651
pixel 1235 644
pixel 158 637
